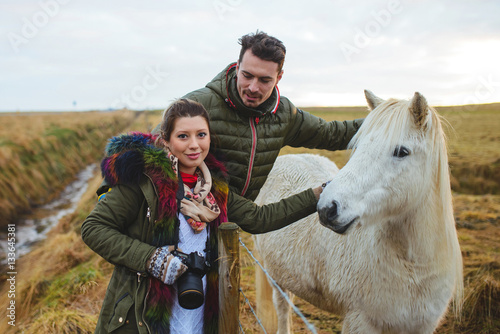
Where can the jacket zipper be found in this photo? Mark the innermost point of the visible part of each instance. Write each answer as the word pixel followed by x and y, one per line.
pixel 148 215
pixel 252 156
pixel 144 308
pixel 139 275
pixel 144 311
pixel 154 187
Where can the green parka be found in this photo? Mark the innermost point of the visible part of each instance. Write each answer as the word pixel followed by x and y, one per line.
pixel 251 139
pixel 120 230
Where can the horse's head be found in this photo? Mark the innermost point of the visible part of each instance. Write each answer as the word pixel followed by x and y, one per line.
pixel 390 172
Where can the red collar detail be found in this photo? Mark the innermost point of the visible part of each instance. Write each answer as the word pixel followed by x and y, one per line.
pixel 228 99
pixel 189 180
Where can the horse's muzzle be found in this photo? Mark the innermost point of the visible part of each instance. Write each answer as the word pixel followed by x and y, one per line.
pixel 329 217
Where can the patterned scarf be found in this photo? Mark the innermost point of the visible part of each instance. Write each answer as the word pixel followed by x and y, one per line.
pixel 128 158
pixel 198 206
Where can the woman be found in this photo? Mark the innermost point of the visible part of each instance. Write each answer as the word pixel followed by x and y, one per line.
pixel 168 196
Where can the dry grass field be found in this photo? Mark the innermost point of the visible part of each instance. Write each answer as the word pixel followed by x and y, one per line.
pixel 41 152
pixel 60 284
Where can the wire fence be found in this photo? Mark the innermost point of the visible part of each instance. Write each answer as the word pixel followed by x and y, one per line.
pixel 253 312
pixel 308 325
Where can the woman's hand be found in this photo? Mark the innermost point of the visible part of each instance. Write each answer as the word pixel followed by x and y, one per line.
pixel 165 266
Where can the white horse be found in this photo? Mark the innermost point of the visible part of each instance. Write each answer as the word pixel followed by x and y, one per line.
pixel 394 262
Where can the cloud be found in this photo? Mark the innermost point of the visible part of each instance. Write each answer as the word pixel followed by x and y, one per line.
pixel 95 52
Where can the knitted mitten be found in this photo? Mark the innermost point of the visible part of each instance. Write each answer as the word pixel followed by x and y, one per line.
pixel 165 266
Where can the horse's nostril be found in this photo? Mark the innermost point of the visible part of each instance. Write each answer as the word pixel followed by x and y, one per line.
pixel 332 212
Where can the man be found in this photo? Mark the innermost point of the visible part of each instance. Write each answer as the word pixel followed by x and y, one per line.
pixel 253 122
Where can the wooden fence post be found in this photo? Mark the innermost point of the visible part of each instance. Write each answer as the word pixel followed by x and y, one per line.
pixel 229 278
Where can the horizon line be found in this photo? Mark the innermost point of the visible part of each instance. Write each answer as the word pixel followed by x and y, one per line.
pixel 161 109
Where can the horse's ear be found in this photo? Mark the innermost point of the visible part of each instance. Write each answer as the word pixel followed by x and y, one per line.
pixel 419 109
pixel 372 99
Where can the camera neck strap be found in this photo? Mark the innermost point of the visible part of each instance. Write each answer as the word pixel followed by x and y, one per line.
pixel 178 196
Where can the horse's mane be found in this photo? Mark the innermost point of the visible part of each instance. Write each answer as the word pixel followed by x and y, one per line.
pixel 389 122
pixel 389 125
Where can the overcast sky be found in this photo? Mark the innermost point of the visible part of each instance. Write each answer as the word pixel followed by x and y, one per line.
pixel 82 55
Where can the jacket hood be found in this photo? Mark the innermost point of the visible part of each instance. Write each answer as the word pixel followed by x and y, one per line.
pixel 224 84
pixel 126 155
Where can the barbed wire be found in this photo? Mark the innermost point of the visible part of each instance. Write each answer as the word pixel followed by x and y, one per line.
pixel 297 311
pixel 252 310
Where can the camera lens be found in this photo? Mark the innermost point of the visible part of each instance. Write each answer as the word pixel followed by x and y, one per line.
pixel 190 290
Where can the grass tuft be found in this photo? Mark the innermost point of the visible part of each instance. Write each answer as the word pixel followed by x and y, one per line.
pixel 61 321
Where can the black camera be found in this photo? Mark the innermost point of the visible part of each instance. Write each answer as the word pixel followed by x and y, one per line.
pixel 189 285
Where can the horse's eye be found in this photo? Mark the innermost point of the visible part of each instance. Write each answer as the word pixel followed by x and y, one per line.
pixel 401 152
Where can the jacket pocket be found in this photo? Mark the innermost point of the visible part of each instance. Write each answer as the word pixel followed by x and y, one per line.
pixel 120 312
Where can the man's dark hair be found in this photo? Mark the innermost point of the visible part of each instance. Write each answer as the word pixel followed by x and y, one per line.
pixel 263 46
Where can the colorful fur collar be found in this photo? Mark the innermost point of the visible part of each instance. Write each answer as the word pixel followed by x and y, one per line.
pixel 128 158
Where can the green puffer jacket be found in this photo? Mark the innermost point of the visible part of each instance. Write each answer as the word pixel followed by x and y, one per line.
pixel 120 230
pixel 250 139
